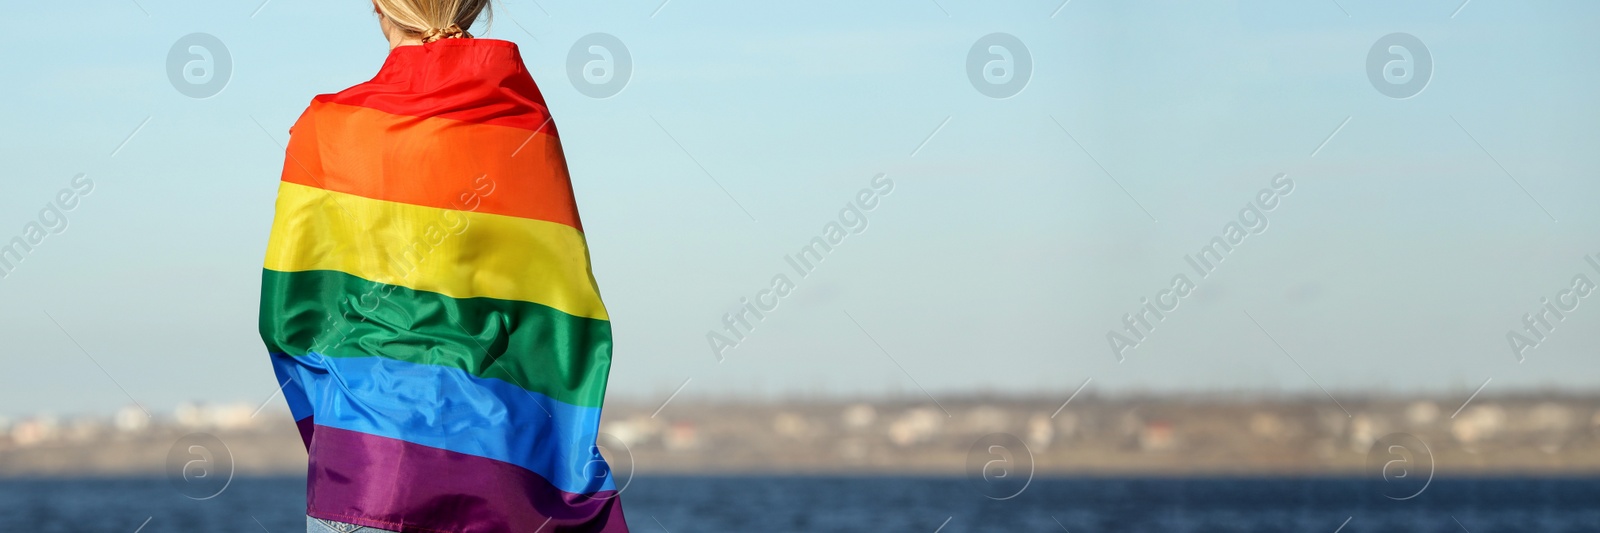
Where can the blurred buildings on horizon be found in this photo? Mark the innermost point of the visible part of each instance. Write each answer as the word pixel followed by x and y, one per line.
pixel 1093 435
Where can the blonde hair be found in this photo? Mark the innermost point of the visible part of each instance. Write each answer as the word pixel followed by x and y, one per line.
pixel 434 19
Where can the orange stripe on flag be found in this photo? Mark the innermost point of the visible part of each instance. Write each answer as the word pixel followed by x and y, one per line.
pixel 432 162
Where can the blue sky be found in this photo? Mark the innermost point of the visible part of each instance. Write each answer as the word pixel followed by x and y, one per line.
pixel 1006 252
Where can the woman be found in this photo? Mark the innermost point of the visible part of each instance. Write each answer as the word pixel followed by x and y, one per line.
pixel 427 298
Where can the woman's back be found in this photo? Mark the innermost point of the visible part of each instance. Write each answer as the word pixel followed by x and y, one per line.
pixel 429 305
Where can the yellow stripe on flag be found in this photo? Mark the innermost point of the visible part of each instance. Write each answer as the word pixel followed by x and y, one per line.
pixel 460 254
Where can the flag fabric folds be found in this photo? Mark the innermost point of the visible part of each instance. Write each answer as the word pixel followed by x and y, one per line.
pixel 429 307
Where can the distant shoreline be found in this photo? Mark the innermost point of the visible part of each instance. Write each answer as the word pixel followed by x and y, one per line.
pixel 1091 437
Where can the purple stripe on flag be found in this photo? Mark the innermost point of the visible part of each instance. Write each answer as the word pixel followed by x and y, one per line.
pixel 392 484
pixel 306 426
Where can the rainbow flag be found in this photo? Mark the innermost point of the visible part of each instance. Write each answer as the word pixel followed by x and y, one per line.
pixel 429 306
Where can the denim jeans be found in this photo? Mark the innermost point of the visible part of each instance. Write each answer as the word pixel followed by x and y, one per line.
pixel 318 525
